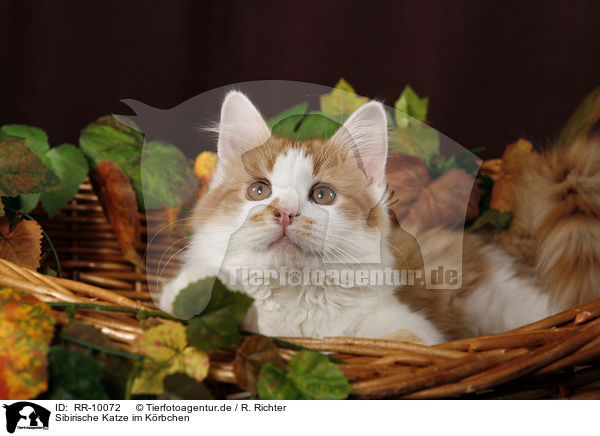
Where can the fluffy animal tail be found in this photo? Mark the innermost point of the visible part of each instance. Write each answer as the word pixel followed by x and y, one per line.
pixel 557 208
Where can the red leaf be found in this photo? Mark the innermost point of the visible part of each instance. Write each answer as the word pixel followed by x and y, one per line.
pixel 120 207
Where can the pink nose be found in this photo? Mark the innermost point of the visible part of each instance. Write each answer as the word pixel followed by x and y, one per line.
pixel 285 216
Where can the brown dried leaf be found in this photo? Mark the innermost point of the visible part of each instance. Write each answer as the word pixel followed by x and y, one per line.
pixel 407 176
pixel 251 356
pixel 23 245
pixel 443 201
pixel 120 207
pixel 515 156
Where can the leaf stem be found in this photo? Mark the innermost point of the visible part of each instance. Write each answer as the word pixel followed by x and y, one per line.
pixel 139 312
pixel 161 314
pixel 101 348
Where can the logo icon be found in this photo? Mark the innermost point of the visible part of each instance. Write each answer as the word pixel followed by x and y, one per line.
pixel 26 415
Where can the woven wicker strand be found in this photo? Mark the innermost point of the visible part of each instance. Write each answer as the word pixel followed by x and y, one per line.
pixel 376 368
pixel 558 357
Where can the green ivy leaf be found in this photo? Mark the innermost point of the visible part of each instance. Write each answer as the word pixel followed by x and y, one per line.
pixel 438 164
pixel 217 325
pixel 193 299
pixel 180 386
pixel 310 376
pixel 36 139
pixel 115 369
pixel 494 218
pixel 17 206
pixel 299 109
pixel 317 377
pixel 66 162
pixel 22 171
pixel 167 176
pixel 74 376
pixel 168 179
pixel 69 164
pixel 586 116
pixel 273 384
pixel 410 105
pixel 306 126
pixel 108 139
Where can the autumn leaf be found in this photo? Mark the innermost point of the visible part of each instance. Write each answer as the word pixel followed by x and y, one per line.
pixel 515 156
pixel 274 385
pixel 26 328
pixel 66 161
pixel 255 352
pixel 166 349
pixel 108 139
pixel 310 376
pixel 408 106
pixel 22 171
pixel 443 202
pixel 118 202
pixel 342 100
pixel 158 172
pixel 22 246
pixel 216 326
pixel 205 165
pixel 407 177
pixel 585 117
pixel 35 138
pixel 418 140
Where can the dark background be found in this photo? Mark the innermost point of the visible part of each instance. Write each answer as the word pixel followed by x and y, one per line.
pixel 494 71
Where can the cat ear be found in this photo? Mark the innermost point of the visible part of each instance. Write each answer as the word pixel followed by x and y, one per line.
pixel 241 127
pixel 366 132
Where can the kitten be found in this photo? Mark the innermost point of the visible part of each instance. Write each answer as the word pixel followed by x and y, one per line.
pixel 322 205
pixel 280 205
pixel 548 260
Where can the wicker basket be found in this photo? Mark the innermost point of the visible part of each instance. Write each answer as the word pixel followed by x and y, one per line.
pixel 552 358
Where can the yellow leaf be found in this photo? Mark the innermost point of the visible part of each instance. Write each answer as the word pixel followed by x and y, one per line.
pixel 165 347
pixel 342 100
pixel 205 165
pixel 26 329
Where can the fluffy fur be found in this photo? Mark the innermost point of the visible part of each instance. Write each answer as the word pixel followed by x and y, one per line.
pixel 547 262
pixel 231 231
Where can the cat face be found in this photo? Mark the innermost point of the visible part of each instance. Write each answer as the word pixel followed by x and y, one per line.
pixel 286 203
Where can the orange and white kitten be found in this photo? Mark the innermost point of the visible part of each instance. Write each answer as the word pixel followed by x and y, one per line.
pixel 320 205
pixel 548 260
pixel 281 205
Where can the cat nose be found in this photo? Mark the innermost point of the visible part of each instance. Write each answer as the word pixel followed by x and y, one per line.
pixel 285 216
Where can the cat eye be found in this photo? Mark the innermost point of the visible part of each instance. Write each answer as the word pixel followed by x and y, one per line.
pixel 323 195
pixel 258 191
